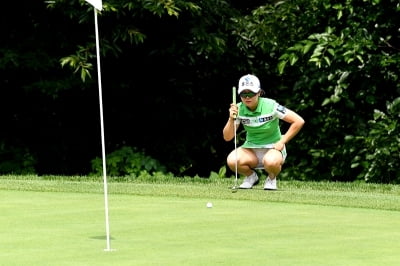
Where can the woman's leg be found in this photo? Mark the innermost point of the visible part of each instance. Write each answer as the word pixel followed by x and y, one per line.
pixel 247 160
pixel 273 161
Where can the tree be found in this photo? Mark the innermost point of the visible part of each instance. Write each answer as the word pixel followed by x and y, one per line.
pixel 356 57
pixel 174 62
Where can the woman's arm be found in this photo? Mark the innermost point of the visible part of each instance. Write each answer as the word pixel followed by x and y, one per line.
pixel 230 127
pixel 296 123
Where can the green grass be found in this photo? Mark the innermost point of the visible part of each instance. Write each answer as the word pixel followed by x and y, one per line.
pixel 162 221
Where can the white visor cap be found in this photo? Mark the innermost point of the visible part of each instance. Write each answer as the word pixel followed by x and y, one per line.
pixel 249 82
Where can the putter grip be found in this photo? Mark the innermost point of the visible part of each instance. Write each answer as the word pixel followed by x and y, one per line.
pixel 234 96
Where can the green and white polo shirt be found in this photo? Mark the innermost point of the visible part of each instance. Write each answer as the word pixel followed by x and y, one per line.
pixel 262 124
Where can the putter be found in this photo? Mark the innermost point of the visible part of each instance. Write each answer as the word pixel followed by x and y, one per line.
pixel 235 186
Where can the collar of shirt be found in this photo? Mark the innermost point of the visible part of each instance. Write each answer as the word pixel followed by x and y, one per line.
pixel 248 112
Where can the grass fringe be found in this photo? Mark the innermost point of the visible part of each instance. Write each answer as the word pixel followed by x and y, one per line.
pixel 359 195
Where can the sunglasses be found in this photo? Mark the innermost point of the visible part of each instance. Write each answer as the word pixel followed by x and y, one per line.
pixel 247 94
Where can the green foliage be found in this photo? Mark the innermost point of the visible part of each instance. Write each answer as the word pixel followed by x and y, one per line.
pixel 333 59
pixel 221 173
pixel 380 157
pixel 82 61
pixel 268 30
pixel 16 160
pixel 341 73
pixel 79 62
pixel 332 62
pixel 127 161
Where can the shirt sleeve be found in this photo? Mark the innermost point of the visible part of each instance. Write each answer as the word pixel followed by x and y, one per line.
pixel 280 111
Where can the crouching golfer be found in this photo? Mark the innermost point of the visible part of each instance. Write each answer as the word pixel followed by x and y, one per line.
pixel 264 147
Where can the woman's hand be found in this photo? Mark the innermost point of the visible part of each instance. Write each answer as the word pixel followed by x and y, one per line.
pixel 279 146
pixel 233 110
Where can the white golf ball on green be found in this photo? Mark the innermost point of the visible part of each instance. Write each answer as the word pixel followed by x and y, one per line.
pixel 209 205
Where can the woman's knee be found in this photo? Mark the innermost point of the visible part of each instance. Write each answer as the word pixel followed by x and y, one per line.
pixel 273 159
pixel 243 157
pixel 231 160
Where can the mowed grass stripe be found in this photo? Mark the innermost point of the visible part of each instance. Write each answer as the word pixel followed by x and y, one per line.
pixel 64 228
pixel 382 197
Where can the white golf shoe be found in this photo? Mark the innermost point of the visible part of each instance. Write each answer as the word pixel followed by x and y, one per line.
pixel 249 181
pixel 270 184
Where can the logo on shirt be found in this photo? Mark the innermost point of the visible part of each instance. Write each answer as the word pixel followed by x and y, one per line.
pixel 256 121
pixel 245 121
pixel 265 119
pixel 281 109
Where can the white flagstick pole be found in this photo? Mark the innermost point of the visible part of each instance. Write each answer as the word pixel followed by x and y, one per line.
pixel 102 134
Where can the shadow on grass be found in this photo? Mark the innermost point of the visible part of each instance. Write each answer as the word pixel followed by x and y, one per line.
pixel 101 237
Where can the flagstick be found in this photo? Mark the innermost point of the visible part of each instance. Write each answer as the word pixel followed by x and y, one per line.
pixel 102 134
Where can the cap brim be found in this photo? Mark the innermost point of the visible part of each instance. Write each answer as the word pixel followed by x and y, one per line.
pixel 248 88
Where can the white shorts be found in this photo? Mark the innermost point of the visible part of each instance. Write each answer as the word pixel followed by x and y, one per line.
pixel 260 152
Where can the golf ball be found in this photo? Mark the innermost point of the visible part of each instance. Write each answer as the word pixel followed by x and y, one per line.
pixel 209 205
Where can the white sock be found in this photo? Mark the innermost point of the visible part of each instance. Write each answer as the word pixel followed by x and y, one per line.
pixel 253 174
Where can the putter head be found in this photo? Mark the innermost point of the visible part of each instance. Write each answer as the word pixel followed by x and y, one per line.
pixel 234 189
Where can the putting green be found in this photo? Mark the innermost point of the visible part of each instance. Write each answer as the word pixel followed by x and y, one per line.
pixel 59 228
